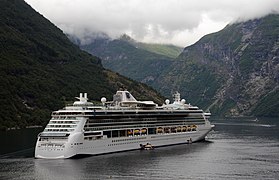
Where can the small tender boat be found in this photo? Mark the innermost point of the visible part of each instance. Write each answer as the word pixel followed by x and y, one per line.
pixel 146 146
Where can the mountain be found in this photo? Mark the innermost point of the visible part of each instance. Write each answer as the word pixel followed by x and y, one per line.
pixel 139 61
pixel 41 69
pixel 232 72
pixel 167 50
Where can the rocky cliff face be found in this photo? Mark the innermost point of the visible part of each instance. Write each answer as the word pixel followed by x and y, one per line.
pixel 231 72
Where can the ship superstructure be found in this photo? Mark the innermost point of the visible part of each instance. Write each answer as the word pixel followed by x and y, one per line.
pixel 122 124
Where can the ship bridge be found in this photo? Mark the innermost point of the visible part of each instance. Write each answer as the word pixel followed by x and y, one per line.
pixel 126 99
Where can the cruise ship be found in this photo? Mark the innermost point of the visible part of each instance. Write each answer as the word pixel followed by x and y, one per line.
pixel 122 124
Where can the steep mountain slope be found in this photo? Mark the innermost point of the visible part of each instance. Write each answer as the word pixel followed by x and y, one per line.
pixel 41 69
pixel 232 72
pixel 136 60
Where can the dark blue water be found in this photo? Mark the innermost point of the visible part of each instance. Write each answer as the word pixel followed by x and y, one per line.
pixel 236 149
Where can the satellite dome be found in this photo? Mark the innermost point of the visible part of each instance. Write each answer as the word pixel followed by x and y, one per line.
pixel 167 101
pixel 103 100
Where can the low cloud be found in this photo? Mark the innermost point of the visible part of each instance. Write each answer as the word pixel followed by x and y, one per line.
pixel 179 22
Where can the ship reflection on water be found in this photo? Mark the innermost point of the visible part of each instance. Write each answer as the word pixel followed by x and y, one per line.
pixel 130 164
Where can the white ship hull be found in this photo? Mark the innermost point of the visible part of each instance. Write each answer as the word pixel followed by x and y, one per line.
pixel 77 146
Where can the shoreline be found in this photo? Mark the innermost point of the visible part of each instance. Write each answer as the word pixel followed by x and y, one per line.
pixel 26 127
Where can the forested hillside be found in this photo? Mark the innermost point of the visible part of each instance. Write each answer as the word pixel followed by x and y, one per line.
pixel 140 61
pixel 41 69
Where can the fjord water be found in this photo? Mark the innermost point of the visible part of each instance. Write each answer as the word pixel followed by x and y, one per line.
pixel 236 149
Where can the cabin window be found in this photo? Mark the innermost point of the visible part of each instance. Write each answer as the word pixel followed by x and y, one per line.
pixel 128 95
pixel 123 133
pixel 151 130
pixel 115 133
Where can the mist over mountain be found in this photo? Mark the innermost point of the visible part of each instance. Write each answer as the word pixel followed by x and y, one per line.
pixel 179 22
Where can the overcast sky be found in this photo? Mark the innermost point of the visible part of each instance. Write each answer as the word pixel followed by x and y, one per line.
pixel 179 22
